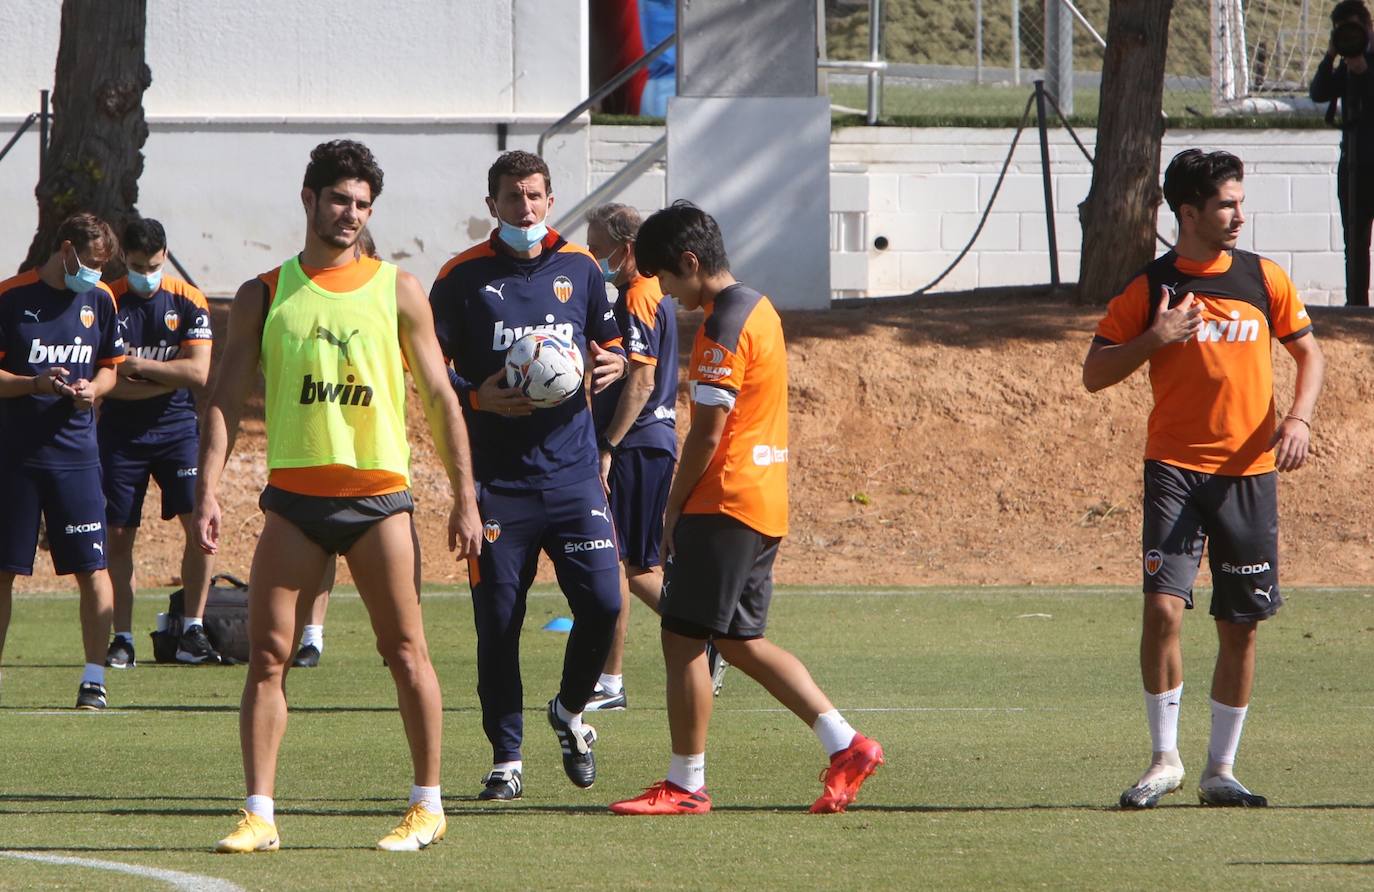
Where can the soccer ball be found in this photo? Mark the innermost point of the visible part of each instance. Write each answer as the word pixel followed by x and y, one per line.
pixel 545 366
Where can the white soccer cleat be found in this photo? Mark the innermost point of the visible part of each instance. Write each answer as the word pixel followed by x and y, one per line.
pixel 1224 790
pixel 1149 790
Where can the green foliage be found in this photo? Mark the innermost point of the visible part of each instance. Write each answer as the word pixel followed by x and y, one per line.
pixel 1009 735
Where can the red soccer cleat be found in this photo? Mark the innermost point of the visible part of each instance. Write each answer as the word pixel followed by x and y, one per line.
pixel 848 770
pixel 664 798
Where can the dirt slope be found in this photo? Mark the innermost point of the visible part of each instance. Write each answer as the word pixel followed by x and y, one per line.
pixel 949 441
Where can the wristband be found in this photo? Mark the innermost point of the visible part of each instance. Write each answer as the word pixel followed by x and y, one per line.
pixel 1296 418
pixel 605 445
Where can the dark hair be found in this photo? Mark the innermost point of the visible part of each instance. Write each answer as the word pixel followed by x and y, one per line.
pixel 144 235
pixel 678 228
pixel 1194 176
pixel 342 159
pixel 367 246
pixel 519 165
pixel 86 230
pixel 1350 9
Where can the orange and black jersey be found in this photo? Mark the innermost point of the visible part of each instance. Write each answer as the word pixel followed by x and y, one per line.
pixel 484 300
pixel 1213 394
pixel 159 326
pixel 42 327
pixel 739 362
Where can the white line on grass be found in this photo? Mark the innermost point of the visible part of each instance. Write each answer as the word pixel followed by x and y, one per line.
pixel 905 709
pixel 72 713
pixel 192 882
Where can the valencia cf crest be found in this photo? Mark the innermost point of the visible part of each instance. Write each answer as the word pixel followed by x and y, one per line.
pixel 171 319
pixel 1153 561
pixel 491 530
pixel 87 316
pixel 562 289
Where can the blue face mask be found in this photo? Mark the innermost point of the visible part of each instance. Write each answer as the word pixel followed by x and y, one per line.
pixel 610 274
pixel 84 280
pixel 522 239
pixel 145 285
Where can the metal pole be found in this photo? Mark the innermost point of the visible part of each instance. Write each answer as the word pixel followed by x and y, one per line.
pixel 1048 184
pixel 978 41
pixel 875 40
pixel 1016 42
pixel 42 133
pixel 1059 54
pixel 822 52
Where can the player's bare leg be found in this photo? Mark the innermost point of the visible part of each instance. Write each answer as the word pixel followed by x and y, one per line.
pixel 119 542
pixel 1232 681
pixel 385 568
pixel 689 692
pixel 285 564
pixel 1161 671
pixel 97 613
pixel 196 568
pixel 6 605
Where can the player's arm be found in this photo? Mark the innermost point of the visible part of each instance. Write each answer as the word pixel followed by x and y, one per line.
pixel 639 386
pixel 51 381
pixel 1327 83
pixel 190 369
pixel 604 340
pixel 237 374
pixel 1108 364
pixel 445 417
pixel 1294 431
pixel 708 426
pixel 126 389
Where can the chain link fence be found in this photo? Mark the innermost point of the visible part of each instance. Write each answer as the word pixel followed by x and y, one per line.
pixel 962 60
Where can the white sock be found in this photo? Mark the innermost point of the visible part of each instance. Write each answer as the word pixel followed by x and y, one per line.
pixel 573 721
pixel 427 796
pixel 1227 723
pixel 191 622
pixel 612 684
pixel 517 765
pixel 262 806
pixel 687 772
pixel 313 636
pixel 94 672
pixel 126 636
pixel 834 732
pixel 1161 712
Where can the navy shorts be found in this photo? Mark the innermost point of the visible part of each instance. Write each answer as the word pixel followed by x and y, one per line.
pixel 639 481
pixel 571 524
pixel 71 504
pixel 334 523
pixel 127 467
pixel 719 581
pixel 1236 518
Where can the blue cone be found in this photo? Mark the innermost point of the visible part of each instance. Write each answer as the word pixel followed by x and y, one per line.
pixel 558 624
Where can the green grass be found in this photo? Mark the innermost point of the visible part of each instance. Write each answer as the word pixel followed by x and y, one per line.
pixel 1008 738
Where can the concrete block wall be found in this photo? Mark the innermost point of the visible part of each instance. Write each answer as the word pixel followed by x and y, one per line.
pixel 919 193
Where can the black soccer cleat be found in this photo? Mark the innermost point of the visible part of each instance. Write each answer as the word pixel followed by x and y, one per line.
pixel 121 654
pixel 195 647
pixel 501 785
pixel 604 701
pixel 1228 792
pixel 308 657
pixel 579 764
pixel 90 696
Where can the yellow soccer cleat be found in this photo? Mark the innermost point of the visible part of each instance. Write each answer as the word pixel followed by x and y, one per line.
pixel 253 834
pixel 419 828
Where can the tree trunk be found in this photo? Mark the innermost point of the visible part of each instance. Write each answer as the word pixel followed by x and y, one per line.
pixel 1119 214
pixel 94 160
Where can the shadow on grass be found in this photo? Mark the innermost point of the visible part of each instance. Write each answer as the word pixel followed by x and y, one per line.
pixel 1369 863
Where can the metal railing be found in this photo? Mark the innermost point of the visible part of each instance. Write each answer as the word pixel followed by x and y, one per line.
pixel 42 116
pixel 657 151
pixel 606 89
pixel 874 65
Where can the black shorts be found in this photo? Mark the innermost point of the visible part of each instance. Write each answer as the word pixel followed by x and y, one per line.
pixel 334 524
pixel 1235 517
pixel 640 479
pixel 719 580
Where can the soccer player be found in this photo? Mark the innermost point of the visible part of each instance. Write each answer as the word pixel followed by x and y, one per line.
pixel 148 428
pixel 1202 316
pixel 538 480
pixel 635 425
pixel 59 346
pixel 333 332
pixel 726 515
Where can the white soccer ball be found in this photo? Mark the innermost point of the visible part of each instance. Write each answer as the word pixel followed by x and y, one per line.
pixel 546 367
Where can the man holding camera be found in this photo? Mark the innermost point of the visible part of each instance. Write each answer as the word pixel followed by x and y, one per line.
pixel 1352 84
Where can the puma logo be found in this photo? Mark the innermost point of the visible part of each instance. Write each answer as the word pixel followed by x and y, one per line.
pixel 325 334
pixel 98 547
pixel 1264 593
pixel 494 290
pixel 34 314
pixel 603 513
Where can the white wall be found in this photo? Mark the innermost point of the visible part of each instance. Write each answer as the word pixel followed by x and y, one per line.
pixel 924 190
pixel 243 89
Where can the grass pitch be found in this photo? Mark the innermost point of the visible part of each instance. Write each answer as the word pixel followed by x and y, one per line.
pixel 1011 720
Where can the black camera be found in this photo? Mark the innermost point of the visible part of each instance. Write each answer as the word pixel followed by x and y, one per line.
pixel 1349 38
